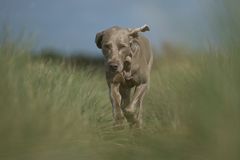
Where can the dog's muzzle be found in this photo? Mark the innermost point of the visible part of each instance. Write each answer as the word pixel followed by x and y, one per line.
pixel 113 67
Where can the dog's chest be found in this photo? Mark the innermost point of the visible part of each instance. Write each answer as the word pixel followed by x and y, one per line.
pixel 124 80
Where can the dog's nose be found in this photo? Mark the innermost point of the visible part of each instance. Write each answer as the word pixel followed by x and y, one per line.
pixel 113 66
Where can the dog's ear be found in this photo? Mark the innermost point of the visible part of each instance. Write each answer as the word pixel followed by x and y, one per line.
pixel 98 39
pixel 134 32
pixel 134 46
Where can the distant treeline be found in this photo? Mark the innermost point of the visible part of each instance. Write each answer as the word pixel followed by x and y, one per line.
pixel 74 59
pixel 80 58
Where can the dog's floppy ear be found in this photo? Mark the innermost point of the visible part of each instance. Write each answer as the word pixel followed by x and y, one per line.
pixel 98 39
pixel 134 45
pixel 134 32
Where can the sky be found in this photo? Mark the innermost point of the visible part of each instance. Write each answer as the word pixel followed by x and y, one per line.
pixel 71 25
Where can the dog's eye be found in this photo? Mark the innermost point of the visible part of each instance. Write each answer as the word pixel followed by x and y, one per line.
pixel 122 46
pixel 107 46
pixel 106 54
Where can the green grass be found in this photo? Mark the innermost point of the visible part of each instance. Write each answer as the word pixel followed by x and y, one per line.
pixel 51 111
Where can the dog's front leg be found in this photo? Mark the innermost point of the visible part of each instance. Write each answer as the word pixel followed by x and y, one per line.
pixel 132 113
pixel 116 104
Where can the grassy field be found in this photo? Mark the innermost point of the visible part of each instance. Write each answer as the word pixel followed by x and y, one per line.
pixel 51 110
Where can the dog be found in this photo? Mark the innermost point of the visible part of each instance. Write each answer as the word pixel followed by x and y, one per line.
pixel 128 60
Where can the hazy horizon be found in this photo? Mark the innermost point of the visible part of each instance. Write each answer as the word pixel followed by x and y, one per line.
pixel 72 25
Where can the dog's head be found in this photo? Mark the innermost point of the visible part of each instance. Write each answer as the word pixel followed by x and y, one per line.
pixel 116 44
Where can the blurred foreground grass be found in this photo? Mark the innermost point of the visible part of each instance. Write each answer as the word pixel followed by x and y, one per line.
pixel 53 111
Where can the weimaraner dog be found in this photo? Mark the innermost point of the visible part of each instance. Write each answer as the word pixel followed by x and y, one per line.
pixel 128 58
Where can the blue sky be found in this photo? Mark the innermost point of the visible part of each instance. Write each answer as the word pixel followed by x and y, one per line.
pixel 71 25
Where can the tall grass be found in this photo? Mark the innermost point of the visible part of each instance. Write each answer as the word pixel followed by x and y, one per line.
pixel 50 111
pixel 53 111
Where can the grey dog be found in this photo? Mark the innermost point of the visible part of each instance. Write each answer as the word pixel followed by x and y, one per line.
pixel 128 59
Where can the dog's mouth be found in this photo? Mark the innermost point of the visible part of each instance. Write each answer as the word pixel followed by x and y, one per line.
pixel 116 71
pixel 113 71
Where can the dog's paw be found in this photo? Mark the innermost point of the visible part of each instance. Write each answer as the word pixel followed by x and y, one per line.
pixel 118 126
pixel 129 111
